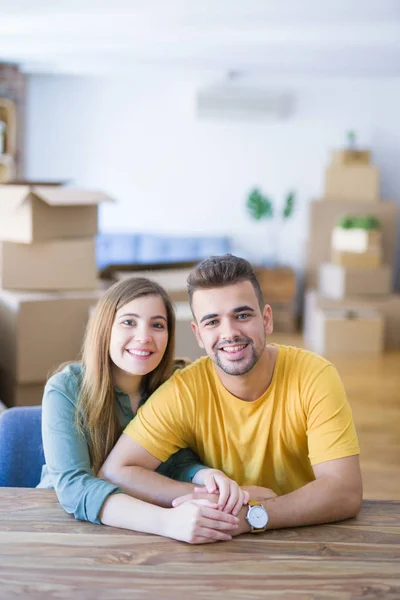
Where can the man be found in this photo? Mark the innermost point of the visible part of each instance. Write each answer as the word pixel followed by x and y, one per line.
pixel 273 418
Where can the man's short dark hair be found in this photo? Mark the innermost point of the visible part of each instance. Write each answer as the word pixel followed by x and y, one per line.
pixel 220 271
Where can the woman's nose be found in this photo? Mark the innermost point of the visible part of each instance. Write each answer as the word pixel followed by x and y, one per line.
pixel 143 334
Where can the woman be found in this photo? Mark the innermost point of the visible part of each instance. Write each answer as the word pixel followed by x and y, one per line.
pixel 127 354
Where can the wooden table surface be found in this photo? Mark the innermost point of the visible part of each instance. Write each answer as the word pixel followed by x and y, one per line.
pixel 45 553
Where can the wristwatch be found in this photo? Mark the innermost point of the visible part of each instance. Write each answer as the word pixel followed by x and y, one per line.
pixel 257 516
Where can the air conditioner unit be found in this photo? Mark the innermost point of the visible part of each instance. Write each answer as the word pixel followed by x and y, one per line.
pixel 237 101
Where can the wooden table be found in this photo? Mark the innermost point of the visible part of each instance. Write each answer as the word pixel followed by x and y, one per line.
pixel 45 553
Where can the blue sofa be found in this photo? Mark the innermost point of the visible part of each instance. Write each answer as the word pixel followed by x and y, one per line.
pixel 143 248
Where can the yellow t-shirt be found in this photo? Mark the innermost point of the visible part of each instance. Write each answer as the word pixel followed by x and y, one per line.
pixel 303 419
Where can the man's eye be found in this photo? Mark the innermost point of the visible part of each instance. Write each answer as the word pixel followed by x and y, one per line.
pixel 243 316
pixel 211 323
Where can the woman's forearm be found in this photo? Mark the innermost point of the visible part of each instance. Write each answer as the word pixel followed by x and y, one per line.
pixel 192 522
pixel 121 510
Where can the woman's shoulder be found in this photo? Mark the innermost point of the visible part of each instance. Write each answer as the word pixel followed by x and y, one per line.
pixel 66 381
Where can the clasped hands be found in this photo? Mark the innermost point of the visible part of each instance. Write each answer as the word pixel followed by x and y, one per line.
pixel 212 511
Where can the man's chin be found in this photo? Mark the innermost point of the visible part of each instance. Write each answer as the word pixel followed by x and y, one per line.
pixel 237 367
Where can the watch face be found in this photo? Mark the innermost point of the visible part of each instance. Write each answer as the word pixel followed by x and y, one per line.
pixel 258 517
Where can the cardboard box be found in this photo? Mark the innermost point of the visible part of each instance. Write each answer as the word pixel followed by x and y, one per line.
pixel 284 317
pixel 354 183
pixel 16 394
pixel 358 260
pixel 340 331
pixel 351 157
pixel 337 282
pixel 37 213
pixel 324 217
pixel 277 284
pixel 61 265
pixel 38 332
pixel 387 306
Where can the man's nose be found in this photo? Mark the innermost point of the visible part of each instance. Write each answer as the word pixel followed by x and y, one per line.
pixel 229 329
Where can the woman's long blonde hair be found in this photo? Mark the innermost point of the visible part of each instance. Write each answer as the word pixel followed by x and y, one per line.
pixel 96 415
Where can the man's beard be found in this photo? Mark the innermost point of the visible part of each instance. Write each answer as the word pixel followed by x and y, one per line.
pixel 241 366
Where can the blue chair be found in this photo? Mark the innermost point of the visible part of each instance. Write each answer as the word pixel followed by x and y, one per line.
pixel 21 447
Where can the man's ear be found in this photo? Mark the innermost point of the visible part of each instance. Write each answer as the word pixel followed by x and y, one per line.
pixel 268 320
pixel 195 330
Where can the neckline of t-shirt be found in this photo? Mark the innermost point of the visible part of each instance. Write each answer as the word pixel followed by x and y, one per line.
pixel 267 391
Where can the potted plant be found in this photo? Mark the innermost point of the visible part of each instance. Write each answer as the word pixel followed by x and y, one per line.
pixel 259 207
pixel 357 233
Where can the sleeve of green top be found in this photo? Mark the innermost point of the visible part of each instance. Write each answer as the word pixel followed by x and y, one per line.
pixel 67 455
pixel 181 466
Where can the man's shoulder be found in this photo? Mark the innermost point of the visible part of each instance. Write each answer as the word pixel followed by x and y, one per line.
pixel 301 360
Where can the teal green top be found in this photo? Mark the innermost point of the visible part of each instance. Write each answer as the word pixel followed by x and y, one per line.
pixel 68 466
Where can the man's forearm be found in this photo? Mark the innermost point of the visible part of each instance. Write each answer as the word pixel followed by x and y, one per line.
pixel 147 485
pixel 321 501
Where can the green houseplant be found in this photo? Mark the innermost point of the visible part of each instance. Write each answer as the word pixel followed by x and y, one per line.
pixel 367 222
pixel 261 207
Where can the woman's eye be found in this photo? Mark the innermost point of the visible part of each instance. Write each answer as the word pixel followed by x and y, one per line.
pixel 158 325
pixel 128 322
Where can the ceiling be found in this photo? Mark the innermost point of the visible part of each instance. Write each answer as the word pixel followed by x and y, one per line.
pixel 313 37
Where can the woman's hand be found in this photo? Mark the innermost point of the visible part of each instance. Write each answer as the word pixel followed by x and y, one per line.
pixel 231 496
pixel 199 522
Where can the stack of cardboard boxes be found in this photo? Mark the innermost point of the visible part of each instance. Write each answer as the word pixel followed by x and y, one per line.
pixel 48 280
pixel 350 306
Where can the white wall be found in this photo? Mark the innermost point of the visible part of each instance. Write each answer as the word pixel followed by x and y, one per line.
pixel 138 139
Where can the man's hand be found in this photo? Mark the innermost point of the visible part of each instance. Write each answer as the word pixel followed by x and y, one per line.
pixel 231 496
pixel 198 521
